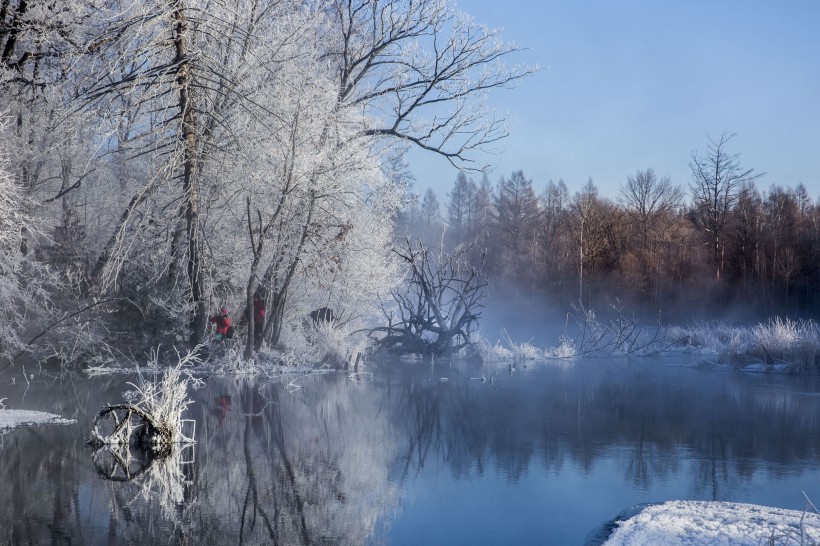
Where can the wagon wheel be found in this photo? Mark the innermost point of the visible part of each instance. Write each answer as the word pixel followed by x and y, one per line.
pixel 126 425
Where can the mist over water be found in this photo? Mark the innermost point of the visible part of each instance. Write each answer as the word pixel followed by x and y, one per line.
pixel 541 317
pixel 524 317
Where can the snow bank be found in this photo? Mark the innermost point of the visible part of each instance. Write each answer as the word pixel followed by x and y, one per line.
pixel 700 523
pixel 15 418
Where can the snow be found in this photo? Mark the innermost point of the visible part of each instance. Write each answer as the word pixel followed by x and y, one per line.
pixel 716 523
pixel 14 418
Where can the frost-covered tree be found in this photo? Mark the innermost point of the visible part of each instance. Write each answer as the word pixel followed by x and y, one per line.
pixel 423 68
pixel 21 287
pixel 176 82
pixel 178 143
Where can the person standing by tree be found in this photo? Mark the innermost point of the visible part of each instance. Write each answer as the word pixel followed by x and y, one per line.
pixel 223 324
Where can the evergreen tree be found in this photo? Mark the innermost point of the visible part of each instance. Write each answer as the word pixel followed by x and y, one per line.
pixel 460 202
pixel 430 226
pixel 516 217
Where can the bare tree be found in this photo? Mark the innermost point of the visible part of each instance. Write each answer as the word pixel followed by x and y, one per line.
pixel 650 202
pixel 427 67
pixel 553 203
pixel 439 306
pixel 591 219
pixel 747 235
pixel 716 182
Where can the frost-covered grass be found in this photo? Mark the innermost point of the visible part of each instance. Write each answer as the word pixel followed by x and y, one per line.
pixel 790 344
pixel 510 350
pixel 780 343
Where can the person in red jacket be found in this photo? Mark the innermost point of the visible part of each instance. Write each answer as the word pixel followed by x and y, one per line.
pixel 223 324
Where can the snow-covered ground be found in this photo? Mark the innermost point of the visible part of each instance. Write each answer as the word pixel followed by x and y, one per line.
pixel 10 418
pixel 700 523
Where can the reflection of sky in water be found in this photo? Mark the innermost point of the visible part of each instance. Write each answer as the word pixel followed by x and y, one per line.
pixel 615 438
pixel 540 454
pixel 559 507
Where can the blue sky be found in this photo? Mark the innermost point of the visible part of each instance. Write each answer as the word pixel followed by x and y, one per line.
pixel 631 84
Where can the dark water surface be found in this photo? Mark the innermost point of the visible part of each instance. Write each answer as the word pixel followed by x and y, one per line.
pixel 538 455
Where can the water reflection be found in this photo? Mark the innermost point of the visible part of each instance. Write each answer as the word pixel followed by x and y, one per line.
pixel 671 432
pixel 330 462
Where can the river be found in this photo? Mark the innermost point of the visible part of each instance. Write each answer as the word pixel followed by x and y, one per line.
pixel 412 453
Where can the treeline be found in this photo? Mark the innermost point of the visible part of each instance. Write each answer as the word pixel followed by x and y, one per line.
pixel 717 242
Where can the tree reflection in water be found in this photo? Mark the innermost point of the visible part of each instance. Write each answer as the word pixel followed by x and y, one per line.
pixel 326 463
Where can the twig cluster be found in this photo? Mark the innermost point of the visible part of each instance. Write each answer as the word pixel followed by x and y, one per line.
pixel 620 336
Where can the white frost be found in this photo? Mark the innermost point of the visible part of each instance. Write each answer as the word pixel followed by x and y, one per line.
pixel 716 523
pixel 14 418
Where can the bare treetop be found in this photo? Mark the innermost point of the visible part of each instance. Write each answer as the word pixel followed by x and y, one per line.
pixel 423 68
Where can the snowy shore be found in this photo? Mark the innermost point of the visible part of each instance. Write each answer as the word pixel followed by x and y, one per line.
pixel 701 523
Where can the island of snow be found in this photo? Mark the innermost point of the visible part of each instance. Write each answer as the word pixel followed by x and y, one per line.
pixel 702 523
pixel 15 418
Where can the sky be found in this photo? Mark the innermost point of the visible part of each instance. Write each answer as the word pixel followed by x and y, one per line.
pixel 626 85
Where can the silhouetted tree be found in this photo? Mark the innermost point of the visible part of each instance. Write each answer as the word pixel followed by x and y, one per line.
pixel 460 202
pixel 437 308
pixel 716 181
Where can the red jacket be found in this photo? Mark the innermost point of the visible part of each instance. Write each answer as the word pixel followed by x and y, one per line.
pixel 222 323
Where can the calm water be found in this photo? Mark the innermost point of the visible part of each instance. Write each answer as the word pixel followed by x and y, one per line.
pixel 539 455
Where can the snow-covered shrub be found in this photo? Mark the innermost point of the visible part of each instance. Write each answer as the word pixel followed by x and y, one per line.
pixel 785 340
pixel 523 351
pixel 564 349
pixel 327 344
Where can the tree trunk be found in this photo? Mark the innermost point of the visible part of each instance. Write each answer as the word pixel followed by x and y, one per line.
pixel 190 183
pixel 250 291
pixel 273 328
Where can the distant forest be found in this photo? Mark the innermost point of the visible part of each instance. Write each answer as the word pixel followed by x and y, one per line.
pixel 718 242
